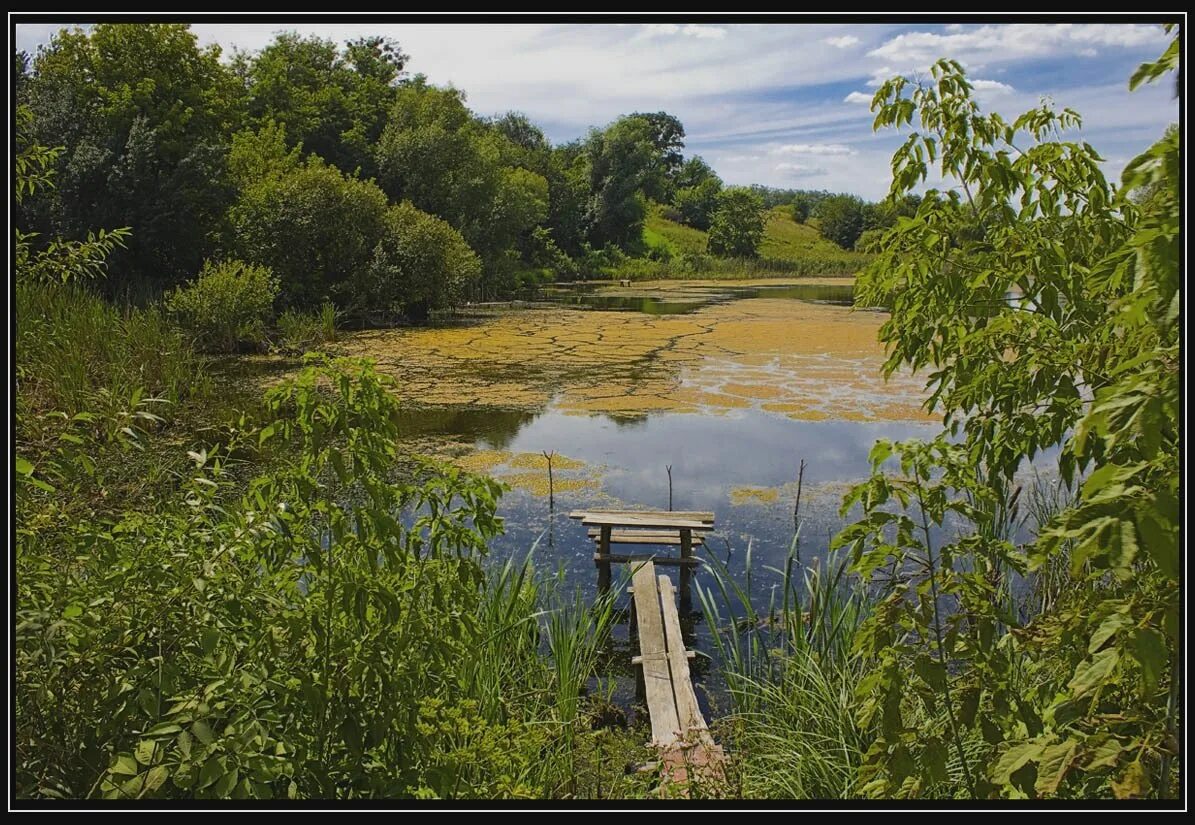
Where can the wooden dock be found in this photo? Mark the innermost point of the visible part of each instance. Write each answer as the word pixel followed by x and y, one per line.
pixel 678 730
pixel 688 754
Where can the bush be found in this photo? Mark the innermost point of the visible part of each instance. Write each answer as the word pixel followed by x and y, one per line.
pixel 314 227
pixel 227 306
pixel 301 331
pixel 841 219
pixel 420 265
pixel 736 227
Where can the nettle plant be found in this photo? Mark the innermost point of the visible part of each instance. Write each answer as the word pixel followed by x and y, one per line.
pixel 1042 303
pixel 283 644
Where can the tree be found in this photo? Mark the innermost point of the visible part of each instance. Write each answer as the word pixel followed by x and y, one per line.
pixel 144 116
pixel 420 264
pixel 696 192
pixel 801 207
pixel 619 161
pixel 1081 699
pixel 314 227
pixel 841 219
pixel 667 136
pixel 334 104
pixel 697 204
pixel 737 225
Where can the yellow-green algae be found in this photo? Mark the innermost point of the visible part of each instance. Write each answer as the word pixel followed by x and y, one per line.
pixel 804 360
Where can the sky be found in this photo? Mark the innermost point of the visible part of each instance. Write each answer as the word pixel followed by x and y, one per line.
pixel 780 104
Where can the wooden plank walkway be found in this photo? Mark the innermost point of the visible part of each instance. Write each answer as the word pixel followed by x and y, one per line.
pixel 688 752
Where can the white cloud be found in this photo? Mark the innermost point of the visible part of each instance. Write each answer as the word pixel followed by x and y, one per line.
pixel 690 30
pixel 1000 43
pixel 857 97
pixel 993 86
pixel 880 75
pixel 1089 52
pixel 813 149
pixel 844 42
pixel 800 170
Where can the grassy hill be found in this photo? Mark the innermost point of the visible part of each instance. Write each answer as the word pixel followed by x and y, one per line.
pixel 788 248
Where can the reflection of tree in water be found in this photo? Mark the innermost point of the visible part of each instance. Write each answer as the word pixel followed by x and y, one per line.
pixel 496 426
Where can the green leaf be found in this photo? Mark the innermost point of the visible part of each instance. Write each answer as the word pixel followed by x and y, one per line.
pixel 1053 765
pixel 1014 759
pixel 124 765
pixel 145 751
pixel 202 732
pixel 163 729
pixel 1133 783
pixel 1093 672
pixel 156 777
pixel 1108 628
pixel 212 770
pixel 1149 649
pixel 226 783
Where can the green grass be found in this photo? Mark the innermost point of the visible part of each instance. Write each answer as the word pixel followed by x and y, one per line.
pixel 659 232
pixel 786 239
pixel 788 249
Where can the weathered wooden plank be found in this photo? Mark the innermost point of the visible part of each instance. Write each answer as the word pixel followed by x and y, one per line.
pixel 658 521
pixel 646 537
pixel 687 710
pixel 696 515
pixel 630 558
pixel 657 675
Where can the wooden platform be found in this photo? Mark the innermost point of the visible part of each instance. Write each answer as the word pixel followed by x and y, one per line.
pixel 667 528
pixel 688 753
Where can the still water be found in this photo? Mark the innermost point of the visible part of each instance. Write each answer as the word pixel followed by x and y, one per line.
pixel 729 387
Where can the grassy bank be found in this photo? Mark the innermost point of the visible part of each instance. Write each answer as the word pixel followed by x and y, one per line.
pixel 788 249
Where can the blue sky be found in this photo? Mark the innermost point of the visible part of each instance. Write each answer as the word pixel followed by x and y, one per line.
pixel 778 104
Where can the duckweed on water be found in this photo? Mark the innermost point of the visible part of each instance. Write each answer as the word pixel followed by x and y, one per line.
pixel 803 360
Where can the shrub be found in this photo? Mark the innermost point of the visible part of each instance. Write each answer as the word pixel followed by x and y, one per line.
pixel 421 264
pixel 841 219
pixel 227 306
pixel 736 227
pixel 300 331
pixel 314 227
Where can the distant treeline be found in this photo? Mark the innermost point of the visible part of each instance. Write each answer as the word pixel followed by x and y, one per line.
pixel 348 179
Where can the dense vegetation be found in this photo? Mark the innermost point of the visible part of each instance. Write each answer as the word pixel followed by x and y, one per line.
pixel 1044 305
pixel 220 595
pixel 294 158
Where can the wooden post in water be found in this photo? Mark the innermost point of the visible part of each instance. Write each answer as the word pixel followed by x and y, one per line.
pixel 669 488
pixel 604 560
pixel 551 483
pixel 686 567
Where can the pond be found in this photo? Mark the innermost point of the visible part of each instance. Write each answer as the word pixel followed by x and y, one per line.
pixel 730 386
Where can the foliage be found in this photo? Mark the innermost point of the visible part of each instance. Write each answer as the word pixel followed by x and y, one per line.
pixel 144 115
pixel 420 264
pixel 314 227
pixel 227 306
pixel 332 103
pixel 257 155
pixel 618 162
pixel 302 641
pixel 302 331
pixel 801 208
pixel 697 204
pixel 841 219
pixel 736 226
pixel 1080 700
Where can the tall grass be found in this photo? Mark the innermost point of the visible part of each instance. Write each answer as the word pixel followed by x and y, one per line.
pixel 71 343
pixel 791 676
